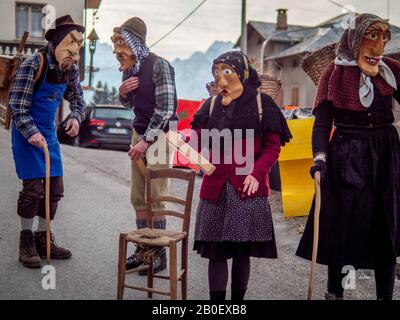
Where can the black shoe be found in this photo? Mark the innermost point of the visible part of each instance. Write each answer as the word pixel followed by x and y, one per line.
pixel 217 295
pixel 237 295
pixel 159 265
pixel 332 296
pixel 133 262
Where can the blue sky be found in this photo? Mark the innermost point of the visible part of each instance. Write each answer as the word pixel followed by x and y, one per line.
pixel 220 19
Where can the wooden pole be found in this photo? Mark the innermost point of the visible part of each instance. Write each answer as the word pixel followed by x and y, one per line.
pixel 140 166
pixel 139 163
pixel 47 201
pixel 317 210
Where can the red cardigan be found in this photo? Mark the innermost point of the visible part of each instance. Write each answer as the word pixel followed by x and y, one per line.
pixel 266 153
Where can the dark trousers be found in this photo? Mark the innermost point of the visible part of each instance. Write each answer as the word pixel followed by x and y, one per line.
pixel 31 201
pixel 385 277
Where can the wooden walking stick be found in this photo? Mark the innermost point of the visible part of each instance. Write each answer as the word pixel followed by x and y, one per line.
pixel 317 210
pixel 140 166
pixel 139 163
pixel 47 201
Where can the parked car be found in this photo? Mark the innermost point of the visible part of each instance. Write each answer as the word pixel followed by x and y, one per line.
pixel 103 126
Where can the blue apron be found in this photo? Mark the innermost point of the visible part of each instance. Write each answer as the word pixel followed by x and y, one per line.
pixel 29 160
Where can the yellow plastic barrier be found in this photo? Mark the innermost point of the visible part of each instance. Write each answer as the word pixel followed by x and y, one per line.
pixel 295 162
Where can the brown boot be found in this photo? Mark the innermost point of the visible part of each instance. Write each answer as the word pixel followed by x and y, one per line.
pixel 28 255
pixel 56 253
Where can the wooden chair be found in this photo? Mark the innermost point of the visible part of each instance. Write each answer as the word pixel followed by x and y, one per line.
pixel 160 238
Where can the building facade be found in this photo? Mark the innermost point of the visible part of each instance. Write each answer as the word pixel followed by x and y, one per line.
pixel 17 16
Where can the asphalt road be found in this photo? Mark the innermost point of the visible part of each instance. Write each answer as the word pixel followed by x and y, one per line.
pixel 96 209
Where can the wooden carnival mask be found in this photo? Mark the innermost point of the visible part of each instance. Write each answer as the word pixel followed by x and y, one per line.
pixel 123 52
pixel 228 83
pixel 372 48
pixel 67 51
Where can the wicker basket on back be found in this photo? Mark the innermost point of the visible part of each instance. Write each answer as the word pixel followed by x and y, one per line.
pixel 314 63
pixel 6 67
pixel 270 85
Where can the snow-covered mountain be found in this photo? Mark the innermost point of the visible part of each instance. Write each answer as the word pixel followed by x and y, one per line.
pixel 191 74
pixel 194 73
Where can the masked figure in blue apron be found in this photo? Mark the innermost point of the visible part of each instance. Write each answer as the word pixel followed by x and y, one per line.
pixel 40 84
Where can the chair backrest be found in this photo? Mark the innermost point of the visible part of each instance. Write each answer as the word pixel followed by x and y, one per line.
pixel 187 175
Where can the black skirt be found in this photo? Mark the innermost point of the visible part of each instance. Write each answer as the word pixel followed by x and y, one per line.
pixel 360 212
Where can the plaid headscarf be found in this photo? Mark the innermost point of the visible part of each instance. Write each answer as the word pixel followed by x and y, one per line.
pixel 139 49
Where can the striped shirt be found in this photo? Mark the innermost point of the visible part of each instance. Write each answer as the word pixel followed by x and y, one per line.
pixel 166 99
pixel 22 90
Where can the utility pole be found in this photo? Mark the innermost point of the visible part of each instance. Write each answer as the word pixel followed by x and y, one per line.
pixel 243 38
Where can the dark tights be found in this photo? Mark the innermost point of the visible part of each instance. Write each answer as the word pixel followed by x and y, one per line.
pixel 218 277
pixel 384 280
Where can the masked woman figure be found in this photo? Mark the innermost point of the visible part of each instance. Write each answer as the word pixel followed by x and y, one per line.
pixel 234 217
pixel 360 166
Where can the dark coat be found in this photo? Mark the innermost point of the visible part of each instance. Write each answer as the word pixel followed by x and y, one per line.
pixel 360 213
pixel 270 133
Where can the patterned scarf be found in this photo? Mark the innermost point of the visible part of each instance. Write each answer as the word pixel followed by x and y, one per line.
pixel 139 49
pixel 240 63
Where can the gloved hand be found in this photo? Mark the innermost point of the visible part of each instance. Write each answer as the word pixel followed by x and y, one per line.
pixel 319 166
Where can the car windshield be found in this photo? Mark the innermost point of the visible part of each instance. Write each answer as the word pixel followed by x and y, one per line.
pixel 113 113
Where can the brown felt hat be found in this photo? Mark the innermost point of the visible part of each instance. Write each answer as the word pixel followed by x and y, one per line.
pixel 136 26
pixel 63 22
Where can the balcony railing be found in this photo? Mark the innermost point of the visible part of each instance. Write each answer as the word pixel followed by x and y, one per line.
pixel 9 48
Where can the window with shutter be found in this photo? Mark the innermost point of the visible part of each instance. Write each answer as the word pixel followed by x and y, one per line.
pixel 28 17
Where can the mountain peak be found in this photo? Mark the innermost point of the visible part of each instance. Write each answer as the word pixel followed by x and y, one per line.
pixel 194 73
pixel 191 74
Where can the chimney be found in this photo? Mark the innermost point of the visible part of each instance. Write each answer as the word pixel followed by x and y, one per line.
pixel 281 23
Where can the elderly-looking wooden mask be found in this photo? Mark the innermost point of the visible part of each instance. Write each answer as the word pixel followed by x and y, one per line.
pixel 123 52
pixel 67 51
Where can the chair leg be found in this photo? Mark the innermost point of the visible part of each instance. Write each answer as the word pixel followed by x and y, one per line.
pixel 150 273
pixel 172 270
pixel 121 266
pixel 185 265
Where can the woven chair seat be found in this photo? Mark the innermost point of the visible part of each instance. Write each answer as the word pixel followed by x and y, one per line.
pixel 155 237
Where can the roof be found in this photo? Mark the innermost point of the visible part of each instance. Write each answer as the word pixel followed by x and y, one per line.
pixel 266 29
pixel 309 39
pixel 321 38
pixel 330 32
pixel 333 21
